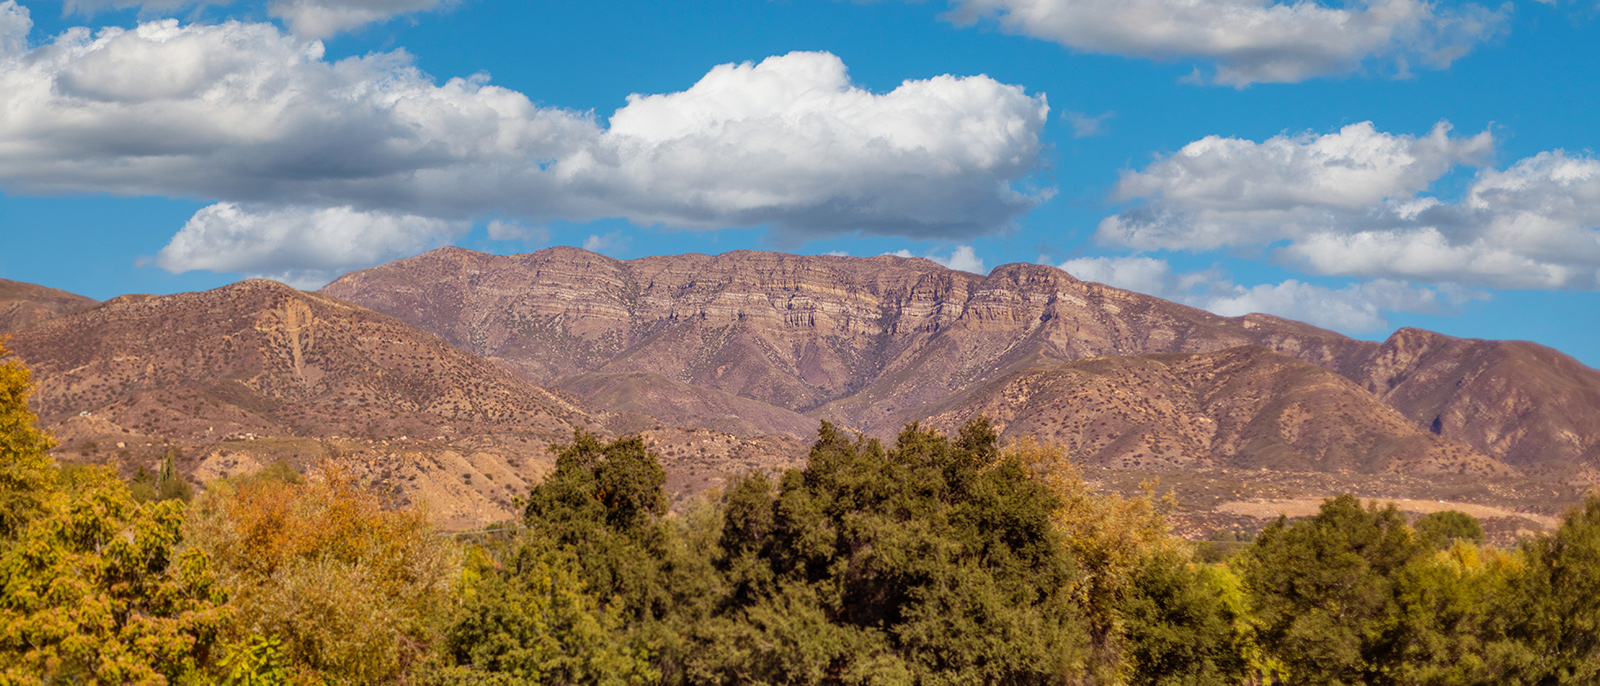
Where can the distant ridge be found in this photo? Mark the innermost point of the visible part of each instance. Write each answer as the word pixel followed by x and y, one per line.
pixel 870 342
pixel 24 304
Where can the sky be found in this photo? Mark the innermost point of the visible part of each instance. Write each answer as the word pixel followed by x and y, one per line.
pixel 1360 166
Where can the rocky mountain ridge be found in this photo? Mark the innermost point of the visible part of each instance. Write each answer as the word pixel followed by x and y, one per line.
pixel 446 375
pixel 873 342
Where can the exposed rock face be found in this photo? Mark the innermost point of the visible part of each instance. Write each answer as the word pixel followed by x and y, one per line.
pixel 23 305
pixel 870 342
pixel 1243 408
pixel 790 330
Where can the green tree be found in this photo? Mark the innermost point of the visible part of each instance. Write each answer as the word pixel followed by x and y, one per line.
pixel 1325 591
pixel 163 484
pixel 1179 627
pixel 934 561
pixel 534 622
pixel 1441 530
pixel 1548 630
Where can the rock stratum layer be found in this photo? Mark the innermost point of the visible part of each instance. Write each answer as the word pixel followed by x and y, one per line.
pixel 875 342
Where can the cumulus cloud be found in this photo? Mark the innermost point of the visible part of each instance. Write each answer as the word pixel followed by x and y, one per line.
pixel 963 259
pixel 248 115
pixel 1225 191
pixel 15 24
pixel 608 243
pixel 323 18
pixel 305 247
pixel 309 19
pixel 1353 203
pixel 1354 308
pixel 1250 41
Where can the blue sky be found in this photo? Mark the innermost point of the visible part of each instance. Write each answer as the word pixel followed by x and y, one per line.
pixel 1359 166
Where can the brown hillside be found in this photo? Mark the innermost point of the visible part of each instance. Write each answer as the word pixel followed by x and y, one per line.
pixel 24 304
pixel 255 371
pixel 1522 402
pixel 641 400
pixel 1243 408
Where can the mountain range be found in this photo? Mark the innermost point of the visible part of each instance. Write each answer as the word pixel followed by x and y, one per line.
pixel 447 375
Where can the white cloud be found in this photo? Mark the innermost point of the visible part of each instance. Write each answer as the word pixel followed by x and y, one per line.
pixel 1250 41
pixel 1352 204
pixel 791 141
pixel 1354 308
pixel 305 247
pixel 503 230
pixel 308 19
pixel 1225 191
pixel 1142 274
pixel 963 258
pixel 1085 126
pixel 317 19
pixel 15 24
pixel 246 114
pixel 1357 308
pixel 608 243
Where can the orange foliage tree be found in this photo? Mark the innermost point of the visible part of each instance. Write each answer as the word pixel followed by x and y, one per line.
pixel 355 590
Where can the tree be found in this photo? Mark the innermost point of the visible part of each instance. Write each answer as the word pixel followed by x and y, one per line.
pixel 934 561
pixel 98 589
pixel 1180 626
pixel 533 621
pixel 356 591
pixel 1548 630
pixel 27 474
pixel 1326 594
pixel 1441 530
pixel 1111 537
pixel 163 484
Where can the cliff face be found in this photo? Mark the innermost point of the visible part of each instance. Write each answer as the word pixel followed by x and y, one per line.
pixel 873 342
pixel 260 356
pixel 790 330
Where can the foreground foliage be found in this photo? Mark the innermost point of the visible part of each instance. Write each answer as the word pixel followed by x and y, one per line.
pixel 933 560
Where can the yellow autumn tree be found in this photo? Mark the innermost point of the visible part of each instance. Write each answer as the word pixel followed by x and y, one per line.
pixel 355 590
pixel 27 474
pixel 94 587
